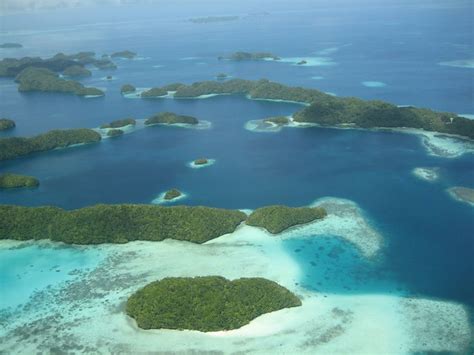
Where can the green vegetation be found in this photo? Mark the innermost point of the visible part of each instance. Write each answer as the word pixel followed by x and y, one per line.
pixel 171 118
pixel 120 123
pixel 124 54
pixel 241 56
pixel 14 147
pixel 278 120
pixel 117 223
pixel 109 77
pixel 76 71
pixel 302 62
pixel 276 219
pixel 6 124
pixel 10 45
pixel 154 92
pixel 10 67
pixel 328 110
pixel 104 64
pixel 201 161
pixel 9 181
pixel 127 89
pixel 44 80
pixel 172 194
pixel 114 133
pixel 212 19
pixel 209 303
pixel 172 86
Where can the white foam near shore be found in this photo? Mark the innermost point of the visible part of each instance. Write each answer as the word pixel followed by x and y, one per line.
pixel 462 63
pixel 264 126
pixel 462 194
pixel 160 200
pixel 373 84
pixel 308 61
pixel 87 314
pixel 193 165
pixel 427 174
pixel 469 116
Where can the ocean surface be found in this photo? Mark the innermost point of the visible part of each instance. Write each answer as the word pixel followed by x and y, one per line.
pixel 389 53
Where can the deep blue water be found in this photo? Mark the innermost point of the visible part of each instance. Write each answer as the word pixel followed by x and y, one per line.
pixel 429 236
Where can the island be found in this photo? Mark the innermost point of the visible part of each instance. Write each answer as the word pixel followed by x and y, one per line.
pixel 114 133
pixel 154 92
pixel 120 123
pixel 277 219
pixel 76 71
pixel 172 194
pixel 109 77
pixel 11 67
pixel 206 304
pixel 6 124
pixel 201 161
pixel 213 19
pixel 10 45
pixel 462 194
pixel 15 147
pixel 171 118
pixel 117 223
pixel 277 120
pixel 221 76
pixel 127 89
pixel 124 54
pixel 327 110
pixel 244 56
pixel 45 80
pixel 11 181
pixel 302 62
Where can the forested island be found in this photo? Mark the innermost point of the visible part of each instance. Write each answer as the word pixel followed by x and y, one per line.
pixel 328 110
pixel 242 56
pixel 11 67
pixel 114 133
pixel 13 181
pixel 120 123
pixel 277 219
pixel 277 120
pixel 127 89
pixel 171 118
pixel 6 124
pixel 124 54
pixel 45 80
pixel 212 19
pixel 14 147
pixel 172 194
pixel 209 303
pixel 10 45
pixel 117 223
pixel 77 71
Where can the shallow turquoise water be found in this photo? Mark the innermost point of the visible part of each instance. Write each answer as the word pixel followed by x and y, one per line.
pixel 33 268
pixel 429 244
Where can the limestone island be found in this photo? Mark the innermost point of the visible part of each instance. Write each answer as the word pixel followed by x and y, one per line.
pixel 172 194
pixel 171 118
pixel 206 304
pixel 127 89
pixel 15 147
pixel 109 77
pixel 221 76
pixel 120 123
pixel 11 67
pixel 428 174
pixel 10 45
pixel 245 56
pixel 157 92
pixel 302 62
pixel 10 181
pixel 76 71
pixel 114 133
pixel 117 223
pixel 201 163
pixel 44 80
pixel 124 54
pixel 277 120
pixel 213 19
pixel 277 219
pixel 105 64
pixel 463 194
pixel 327 110
pixel 6 124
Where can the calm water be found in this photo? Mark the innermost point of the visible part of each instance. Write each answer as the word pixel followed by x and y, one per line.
pixel 429 236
